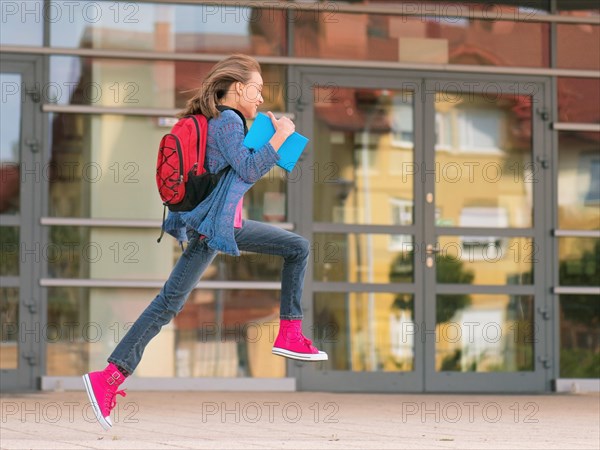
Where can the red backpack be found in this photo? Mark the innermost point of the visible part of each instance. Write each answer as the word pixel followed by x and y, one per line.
pixel 182 175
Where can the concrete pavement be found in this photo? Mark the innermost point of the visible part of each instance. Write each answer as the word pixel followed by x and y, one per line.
pixel 308 420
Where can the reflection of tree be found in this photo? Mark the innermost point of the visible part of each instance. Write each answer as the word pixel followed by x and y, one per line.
pixel 449 269
pixel 331 331
pixel 9 259
pixel 9 314
pixel 580 316
pixel 585 271
pixel 453 362
pixel 64 260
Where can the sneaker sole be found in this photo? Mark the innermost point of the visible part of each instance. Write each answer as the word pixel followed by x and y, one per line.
pixel 321 356
pixel 90 392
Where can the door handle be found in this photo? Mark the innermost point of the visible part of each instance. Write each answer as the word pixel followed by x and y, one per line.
pixel 431 250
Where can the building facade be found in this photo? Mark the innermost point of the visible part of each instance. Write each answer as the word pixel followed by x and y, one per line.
pixel 450 189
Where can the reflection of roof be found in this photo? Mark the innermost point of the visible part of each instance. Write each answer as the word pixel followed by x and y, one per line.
pixel 350 109
pixel 348 118
pixel 464 53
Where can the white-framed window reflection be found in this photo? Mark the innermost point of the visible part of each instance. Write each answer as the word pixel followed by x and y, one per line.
pixel 476 248
pixel 592 195
pixel 479 130
pixel 402 215
pixel 472 130
pixel 402 121
pixel 443 130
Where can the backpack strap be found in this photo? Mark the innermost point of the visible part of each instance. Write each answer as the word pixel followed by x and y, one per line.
pixel 162 227
pixel 197 125
pixel 222 108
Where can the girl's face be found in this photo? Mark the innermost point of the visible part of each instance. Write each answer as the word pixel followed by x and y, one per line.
pixel 249 95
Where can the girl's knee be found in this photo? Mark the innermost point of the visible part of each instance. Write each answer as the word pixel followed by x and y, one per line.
pixel 303 247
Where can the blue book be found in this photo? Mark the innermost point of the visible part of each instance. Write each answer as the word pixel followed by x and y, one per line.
pixel 261 132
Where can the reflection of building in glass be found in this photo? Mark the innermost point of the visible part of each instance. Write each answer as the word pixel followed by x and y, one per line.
pixel 486 144
pixel 111 157
pixel 367 166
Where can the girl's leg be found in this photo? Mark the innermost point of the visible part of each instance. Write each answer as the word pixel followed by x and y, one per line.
pixel 190 266
pixel 263 238
pixel 102 386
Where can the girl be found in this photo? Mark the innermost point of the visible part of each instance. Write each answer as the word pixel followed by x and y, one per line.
pixel 230 93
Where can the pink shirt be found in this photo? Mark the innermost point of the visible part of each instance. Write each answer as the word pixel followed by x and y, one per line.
pixel 237 220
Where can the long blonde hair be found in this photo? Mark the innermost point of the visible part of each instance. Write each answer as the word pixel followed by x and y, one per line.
pixel 232 69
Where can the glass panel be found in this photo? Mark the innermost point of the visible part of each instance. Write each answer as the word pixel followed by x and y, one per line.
pixel 366 332
pixel 22 22
pixel 168 28
pixel 483 160
pixel 484 333
pixel 578 100
pixel 575 44
pixel 485 260
pixel 579 261
pixel 363 258
pixel 141 84
pixel 577 8
pixel 70 332
pixel 130 253
pixel 108 253
pixel 10 245
pixel 426 38
pixel 10 141
pixel 364 156
pixel 218 333
pixel 9 328
pixel 100 168
pixel 228 334
pixel 579 336
pixel 578 180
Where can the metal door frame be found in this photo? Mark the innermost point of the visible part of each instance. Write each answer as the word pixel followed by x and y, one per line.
pixel 32 311
pixel 538 379
pixel 309 376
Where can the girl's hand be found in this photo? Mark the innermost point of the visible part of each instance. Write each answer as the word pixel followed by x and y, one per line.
pixel 284 126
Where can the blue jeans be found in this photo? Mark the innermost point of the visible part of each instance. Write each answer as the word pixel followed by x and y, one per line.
pixel 252 237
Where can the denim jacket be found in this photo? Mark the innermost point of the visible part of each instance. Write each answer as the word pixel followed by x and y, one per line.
pixel 214 217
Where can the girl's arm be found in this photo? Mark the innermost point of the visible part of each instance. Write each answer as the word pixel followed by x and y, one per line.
pixel 249 165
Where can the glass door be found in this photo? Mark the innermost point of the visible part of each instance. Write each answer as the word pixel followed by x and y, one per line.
pixel 484 251
pixel 361 206
pixel 20 178
pixel 427 271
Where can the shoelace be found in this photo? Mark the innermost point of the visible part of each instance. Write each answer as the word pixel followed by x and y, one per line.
pixel 301 338
pixel 111 398
pixel 307 341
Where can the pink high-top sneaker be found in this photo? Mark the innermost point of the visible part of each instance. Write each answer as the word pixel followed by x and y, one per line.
pixel 102 390
pixel 291 343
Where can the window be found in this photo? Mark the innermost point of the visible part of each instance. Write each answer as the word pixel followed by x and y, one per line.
pixel 402 212
pixel 473 130
pixel 592 197
pixel 402 121
pixel 443 131
pixel 480 247
pixel 479 130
